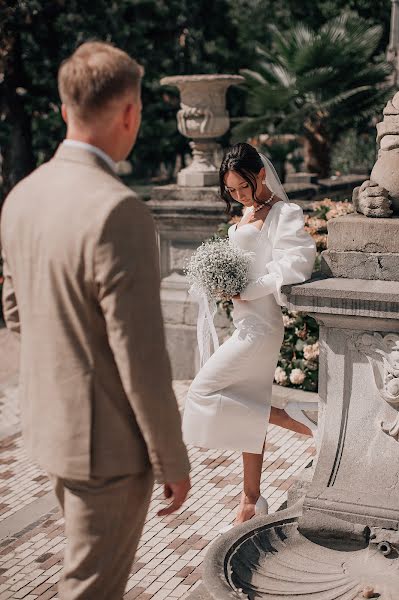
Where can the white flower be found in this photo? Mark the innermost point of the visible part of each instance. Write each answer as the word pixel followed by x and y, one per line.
pixel 280 376
pixel 219 269
pixel 297 376
pixel 311 351
pixel 288 321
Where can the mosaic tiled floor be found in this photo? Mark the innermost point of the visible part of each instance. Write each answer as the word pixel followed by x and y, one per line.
pixel 9 412
pixel 21 482
pixel 169 558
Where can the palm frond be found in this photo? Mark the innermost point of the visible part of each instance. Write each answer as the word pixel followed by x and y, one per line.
pixel 253 77
pixel 250 127
pixel 271 99
pixel 318 82
pixel 343 97
pixel 281 75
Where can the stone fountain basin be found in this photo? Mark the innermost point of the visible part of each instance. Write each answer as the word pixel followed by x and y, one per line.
pixel 267 558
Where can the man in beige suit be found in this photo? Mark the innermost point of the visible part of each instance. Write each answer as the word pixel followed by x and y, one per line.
pixel 81 290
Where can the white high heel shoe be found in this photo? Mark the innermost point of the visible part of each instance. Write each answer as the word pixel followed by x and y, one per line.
pixel 295 411
pixel 261 508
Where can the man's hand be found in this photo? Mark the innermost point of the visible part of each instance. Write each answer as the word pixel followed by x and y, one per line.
pixel 178 493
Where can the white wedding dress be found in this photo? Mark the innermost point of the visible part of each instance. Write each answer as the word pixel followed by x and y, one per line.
pixel 228 403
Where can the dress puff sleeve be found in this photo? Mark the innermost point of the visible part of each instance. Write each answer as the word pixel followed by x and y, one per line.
pixel 293 255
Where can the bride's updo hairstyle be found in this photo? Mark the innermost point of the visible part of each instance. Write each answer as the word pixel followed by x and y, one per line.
pixel 244 160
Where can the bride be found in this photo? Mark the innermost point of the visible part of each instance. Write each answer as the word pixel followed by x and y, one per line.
pixel 228 405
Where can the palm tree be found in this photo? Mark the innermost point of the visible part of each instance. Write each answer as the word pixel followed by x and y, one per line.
pixel 317 84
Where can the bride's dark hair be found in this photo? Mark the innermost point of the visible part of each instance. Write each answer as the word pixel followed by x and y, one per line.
pixel 244 160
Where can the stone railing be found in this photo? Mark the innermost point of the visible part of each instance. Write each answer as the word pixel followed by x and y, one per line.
pixel 336 188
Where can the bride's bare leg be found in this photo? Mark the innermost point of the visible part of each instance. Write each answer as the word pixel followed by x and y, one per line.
pixel 252 464
pixel 278 416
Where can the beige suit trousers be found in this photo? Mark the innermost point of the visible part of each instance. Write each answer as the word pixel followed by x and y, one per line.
pixel 104 519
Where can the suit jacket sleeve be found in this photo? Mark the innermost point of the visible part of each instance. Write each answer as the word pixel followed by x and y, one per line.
pixel 126 266
pixel 10 306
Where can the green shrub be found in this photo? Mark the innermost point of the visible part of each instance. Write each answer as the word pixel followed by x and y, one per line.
pixel 354 153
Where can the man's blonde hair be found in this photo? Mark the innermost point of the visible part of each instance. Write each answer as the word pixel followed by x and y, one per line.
pixel 94 75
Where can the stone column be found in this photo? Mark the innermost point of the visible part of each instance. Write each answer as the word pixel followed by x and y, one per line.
pixel 357 306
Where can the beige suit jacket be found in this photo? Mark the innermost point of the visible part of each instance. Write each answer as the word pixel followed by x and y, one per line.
pixel 82 290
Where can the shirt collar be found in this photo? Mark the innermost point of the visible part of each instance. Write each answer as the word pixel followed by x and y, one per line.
pixel 93 149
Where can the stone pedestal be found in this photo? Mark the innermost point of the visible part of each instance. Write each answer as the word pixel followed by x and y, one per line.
pixel 180 318
pixel 184 217
pixel 358 313
pixel 355 485
pixel 362 248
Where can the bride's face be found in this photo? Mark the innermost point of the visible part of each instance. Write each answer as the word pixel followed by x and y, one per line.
pixel 239 188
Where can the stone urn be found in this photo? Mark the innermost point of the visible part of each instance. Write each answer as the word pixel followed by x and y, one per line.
pixel 203 118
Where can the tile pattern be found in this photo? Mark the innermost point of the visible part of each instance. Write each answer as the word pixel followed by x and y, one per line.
pixel 9 409
pixel 21 482
pixel 169 558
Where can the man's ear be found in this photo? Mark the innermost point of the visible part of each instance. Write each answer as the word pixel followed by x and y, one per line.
pixel 128 115
pixel 64 113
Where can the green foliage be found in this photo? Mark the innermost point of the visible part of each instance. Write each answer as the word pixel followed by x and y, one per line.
pixel 300 335
pixel 316 13
pixel 317 83
pixel 167 37
pixel 252 18
pixel 354 152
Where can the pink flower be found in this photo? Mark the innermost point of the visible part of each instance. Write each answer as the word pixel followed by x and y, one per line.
pixel 311 351
pixel 280 376
pixel 297 376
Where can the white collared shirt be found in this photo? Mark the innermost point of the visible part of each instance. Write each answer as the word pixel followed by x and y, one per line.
pixel 93 149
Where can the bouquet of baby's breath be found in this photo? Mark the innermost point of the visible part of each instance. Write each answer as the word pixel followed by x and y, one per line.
pixel 219 269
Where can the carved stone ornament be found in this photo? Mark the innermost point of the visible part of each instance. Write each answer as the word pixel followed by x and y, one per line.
pixel 278 563
pixel 202 117
pixel 379 195
pixel 382 352
pixel 386 540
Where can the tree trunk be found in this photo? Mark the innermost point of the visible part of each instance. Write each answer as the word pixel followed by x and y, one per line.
pixel 317 149
pixel 18 158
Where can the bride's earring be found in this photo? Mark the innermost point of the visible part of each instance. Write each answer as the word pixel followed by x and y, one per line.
pixel 263 181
